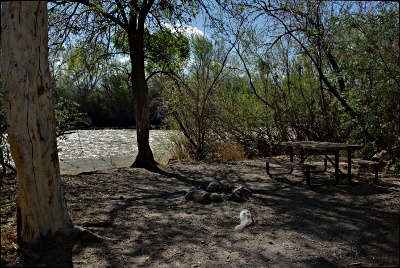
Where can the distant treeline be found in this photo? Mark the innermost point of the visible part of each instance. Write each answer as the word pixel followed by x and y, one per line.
pixel 325 71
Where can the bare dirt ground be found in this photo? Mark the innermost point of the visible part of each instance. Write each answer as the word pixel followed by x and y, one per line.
pixel 154 226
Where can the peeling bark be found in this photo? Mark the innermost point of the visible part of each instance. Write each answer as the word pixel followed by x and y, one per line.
pixel 29 104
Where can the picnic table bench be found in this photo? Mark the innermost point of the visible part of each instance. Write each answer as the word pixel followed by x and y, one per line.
pixel 366 163
pixel 306 168
pixel 323 148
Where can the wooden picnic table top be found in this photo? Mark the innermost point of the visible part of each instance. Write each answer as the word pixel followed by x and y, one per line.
pixel 321 145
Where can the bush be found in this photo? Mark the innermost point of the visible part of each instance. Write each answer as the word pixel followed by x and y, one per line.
pixel 229 151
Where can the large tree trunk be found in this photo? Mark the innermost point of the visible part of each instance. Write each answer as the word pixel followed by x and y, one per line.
pixel 29 103
pixel 145 158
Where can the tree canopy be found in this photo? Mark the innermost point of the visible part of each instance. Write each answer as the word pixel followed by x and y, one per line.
pixel 310 70
pixel 121 27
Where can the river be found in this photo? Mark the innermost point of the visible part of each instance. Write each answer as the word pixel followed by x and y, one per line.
pixel 88 150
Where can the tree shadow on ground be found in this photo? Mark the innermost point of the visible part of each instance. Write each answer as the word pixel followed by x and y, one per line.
pixel 316 217
pixel 56 251
pixel 343 213
pixel 295 226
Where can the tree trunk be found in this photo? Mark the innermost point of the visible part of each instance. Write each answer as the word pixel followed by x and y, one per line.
pixel 29 103
pixel 145 158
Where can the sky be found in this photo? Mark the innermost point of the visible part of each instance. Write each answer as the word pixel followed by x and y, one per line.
pixel 196 27
pixel 185 29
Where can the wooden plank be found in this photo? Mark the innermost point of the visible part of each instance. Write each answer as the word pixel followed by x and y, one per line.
pixel 359 161
pixel 321 145
pixel 366 162
pixel 287 163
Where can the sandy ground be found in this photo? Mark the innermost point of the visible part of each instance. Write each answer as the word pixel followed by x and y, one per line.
pixel 154 226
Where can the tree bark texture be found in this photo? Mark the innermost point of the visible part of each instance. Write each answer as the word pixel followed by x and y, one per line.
pixel 29 104
pixel 145 158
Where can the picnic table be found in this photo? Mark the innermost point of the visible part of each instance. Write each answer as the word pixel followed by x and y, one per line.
pixel 329 150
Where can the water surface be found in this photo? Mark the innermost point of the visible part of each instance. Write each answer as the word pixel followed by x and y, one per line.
pixel 88 150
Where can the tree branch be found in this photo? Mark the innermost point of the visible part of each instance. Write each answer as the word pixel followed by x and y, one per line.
pixel 101 12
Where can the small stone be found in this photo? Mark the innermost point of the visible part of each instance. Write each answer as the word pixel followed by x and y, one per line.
pixel 213 187
pixel 189 195
pixel 240 194
pixel 215 197
pixel 235 197
pixel 201 196
pixel 246 193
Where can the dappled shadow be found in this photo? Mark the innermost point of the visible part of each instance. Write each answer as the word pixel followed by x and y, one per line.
pixel 50 255
pixel 55 251
pixel 184 179
pixel 342 213
pixel 323 226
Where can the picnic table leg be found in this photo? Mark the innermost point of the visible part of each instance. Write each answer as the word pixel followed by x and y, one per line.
pixel 270 174
pixel 307 174
pixel 336 167
pixel 376 174
pixel 301 155
pixel 267 168
pixel 349 166
pixel 291 153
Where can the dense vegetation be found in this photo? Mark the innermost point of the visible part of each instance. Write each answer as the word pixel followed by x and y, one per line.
pixel 316 71
pixel 264 73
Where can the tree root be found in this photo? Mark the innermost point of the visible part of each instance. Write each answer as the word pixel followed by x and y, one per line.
pixel 82 233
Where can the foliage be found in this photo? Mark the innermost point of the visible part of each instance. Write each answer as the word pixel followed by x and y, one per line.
pixel 163 48
pixel 94 86
pixel 326 71
pixel 111 105
pixel 191 100
pixel 101 21
pixel 6 163
pixel 94 68
pixel 67 115
pixel 370 62
pixel 270 71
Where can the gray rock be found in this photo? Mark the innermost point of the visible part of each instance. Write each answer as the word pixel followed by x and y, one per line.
pixel 235 197
pixel 189 195
pixel 215 197
pixel 240 194
pixel 201 196
pixel 213 187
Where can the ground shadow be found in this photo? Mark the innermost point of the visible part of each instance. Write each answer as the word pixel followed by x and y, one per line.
pixel 55 252
pixel 295 226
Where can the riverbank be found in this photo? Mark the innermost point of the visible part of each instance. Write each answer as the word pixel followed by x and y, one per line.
pixel 101 149
pixel 154 226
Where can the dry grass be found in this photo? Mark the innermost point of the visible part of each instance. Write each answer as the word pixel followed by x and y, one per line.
pixel 219 151
pixel 229 151
pixel 180 151
pixel 9 242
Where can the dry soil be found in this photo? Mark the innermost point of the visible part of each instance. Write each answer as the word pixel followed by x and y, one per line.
pixel 154 226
